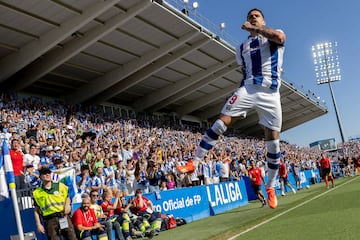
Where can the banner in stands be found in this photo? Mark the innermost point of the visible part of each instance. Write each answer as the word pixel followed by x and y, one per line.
pixel 226 196
pixel 202 201
pixel 68 177
pixel 188 203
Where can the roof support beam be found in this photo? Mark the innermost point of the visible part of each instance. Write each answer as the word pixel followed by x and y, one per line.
pixel 298 120
pixel 194 87
pixel 172 92
pixel 18 60
pixel 109 82
pixel 59 56
pixel 150 69
pixel 205 100
pixel 211 111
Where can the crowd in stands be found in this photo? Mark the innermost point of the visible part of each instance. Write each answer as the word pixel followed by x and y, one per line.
pixel 124 154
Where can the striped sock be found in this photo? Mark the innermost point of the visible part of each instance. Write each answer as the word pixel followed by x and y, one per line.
pixel 273 161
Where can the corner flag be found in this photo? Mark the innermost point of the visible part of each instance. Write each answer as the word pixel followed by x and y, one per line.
pixel 10 179
pixel 9 171
pixel 4 191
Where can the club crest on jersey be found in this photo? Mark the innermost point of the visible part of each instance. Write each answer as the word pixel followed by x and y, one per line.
pixel 228 108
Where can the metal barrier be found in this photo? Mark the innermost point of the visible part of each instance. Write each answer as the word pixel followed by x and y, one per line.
pixel 24 198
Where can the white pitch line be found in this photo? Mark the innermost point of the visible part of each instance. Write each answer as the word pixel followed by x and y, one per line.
pixel 289 210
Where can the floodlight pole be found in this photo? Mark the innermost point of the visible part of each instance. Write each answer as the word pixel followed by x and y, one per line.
pixel 333 96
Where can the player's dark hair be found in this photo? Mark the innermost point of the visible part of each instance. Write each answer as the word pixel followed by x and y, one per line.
pixel 255 9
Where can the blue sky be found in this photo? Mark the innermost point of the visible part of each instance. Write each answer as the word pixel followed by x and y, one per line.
pixel 306 23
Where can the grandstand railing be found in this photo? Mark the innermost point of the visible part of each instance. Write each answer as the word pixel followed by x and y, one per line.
pixel 194 14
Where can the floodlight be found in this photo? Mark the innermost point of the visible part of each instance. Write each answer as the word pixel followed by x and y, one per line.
pixel 186 1
pixel 222 26
pixel 327 70
pixel 326 62
pixel 195 5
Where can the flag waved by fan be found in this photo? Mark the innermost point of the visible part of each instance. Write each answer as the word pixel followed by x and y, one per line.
pixel 68 177
pixel 6 172
pixel 187 168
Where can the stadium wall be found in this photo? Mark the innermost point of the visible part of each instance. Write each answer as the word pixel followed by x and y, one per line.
pixel 191 203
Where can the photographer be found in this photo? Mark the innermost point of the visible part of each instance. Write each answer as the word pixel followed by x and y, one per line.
pixel 155 175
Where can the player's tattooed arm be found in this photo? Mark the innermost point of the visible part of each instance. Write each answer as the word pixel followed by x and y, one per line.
pixel 272 34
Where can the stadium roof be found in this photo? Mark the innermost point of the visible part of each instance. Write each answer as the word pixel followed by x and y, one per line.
pixel 139 53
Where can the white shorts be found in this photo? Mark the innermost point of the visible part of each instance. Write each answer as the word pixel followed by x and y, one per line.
pixel 265 101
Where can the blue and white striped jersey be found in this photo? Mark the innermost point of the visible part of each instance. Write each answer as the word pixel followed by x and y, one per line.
pixel 98 181
pixel 207 169
pixel 32 180
pixel 121 176
pixel 261 61
pixel 170 166
pixel 109 171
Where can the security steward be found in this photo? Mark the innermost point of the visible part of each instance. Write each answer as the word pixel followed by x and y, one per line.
pixel 52 205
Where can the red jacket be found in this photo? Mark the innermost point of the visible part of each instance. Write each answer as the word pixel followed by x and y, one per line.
pixel 255 173
pixel 325 163
pixel 17 160
pixel 144 207
pixel 283 171
pixel 84 219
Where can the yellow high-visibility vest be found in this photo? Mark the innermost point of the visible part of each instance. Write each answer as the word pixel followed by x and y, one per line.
pixel 51 201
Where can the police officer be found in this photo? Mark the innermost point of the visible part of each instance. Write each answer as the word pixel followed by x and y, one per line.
pixel 52 204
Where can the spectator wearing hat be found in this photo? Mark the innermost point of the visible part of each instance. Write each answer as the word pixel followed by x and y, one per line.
pixel 57 150
pixel 52 207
